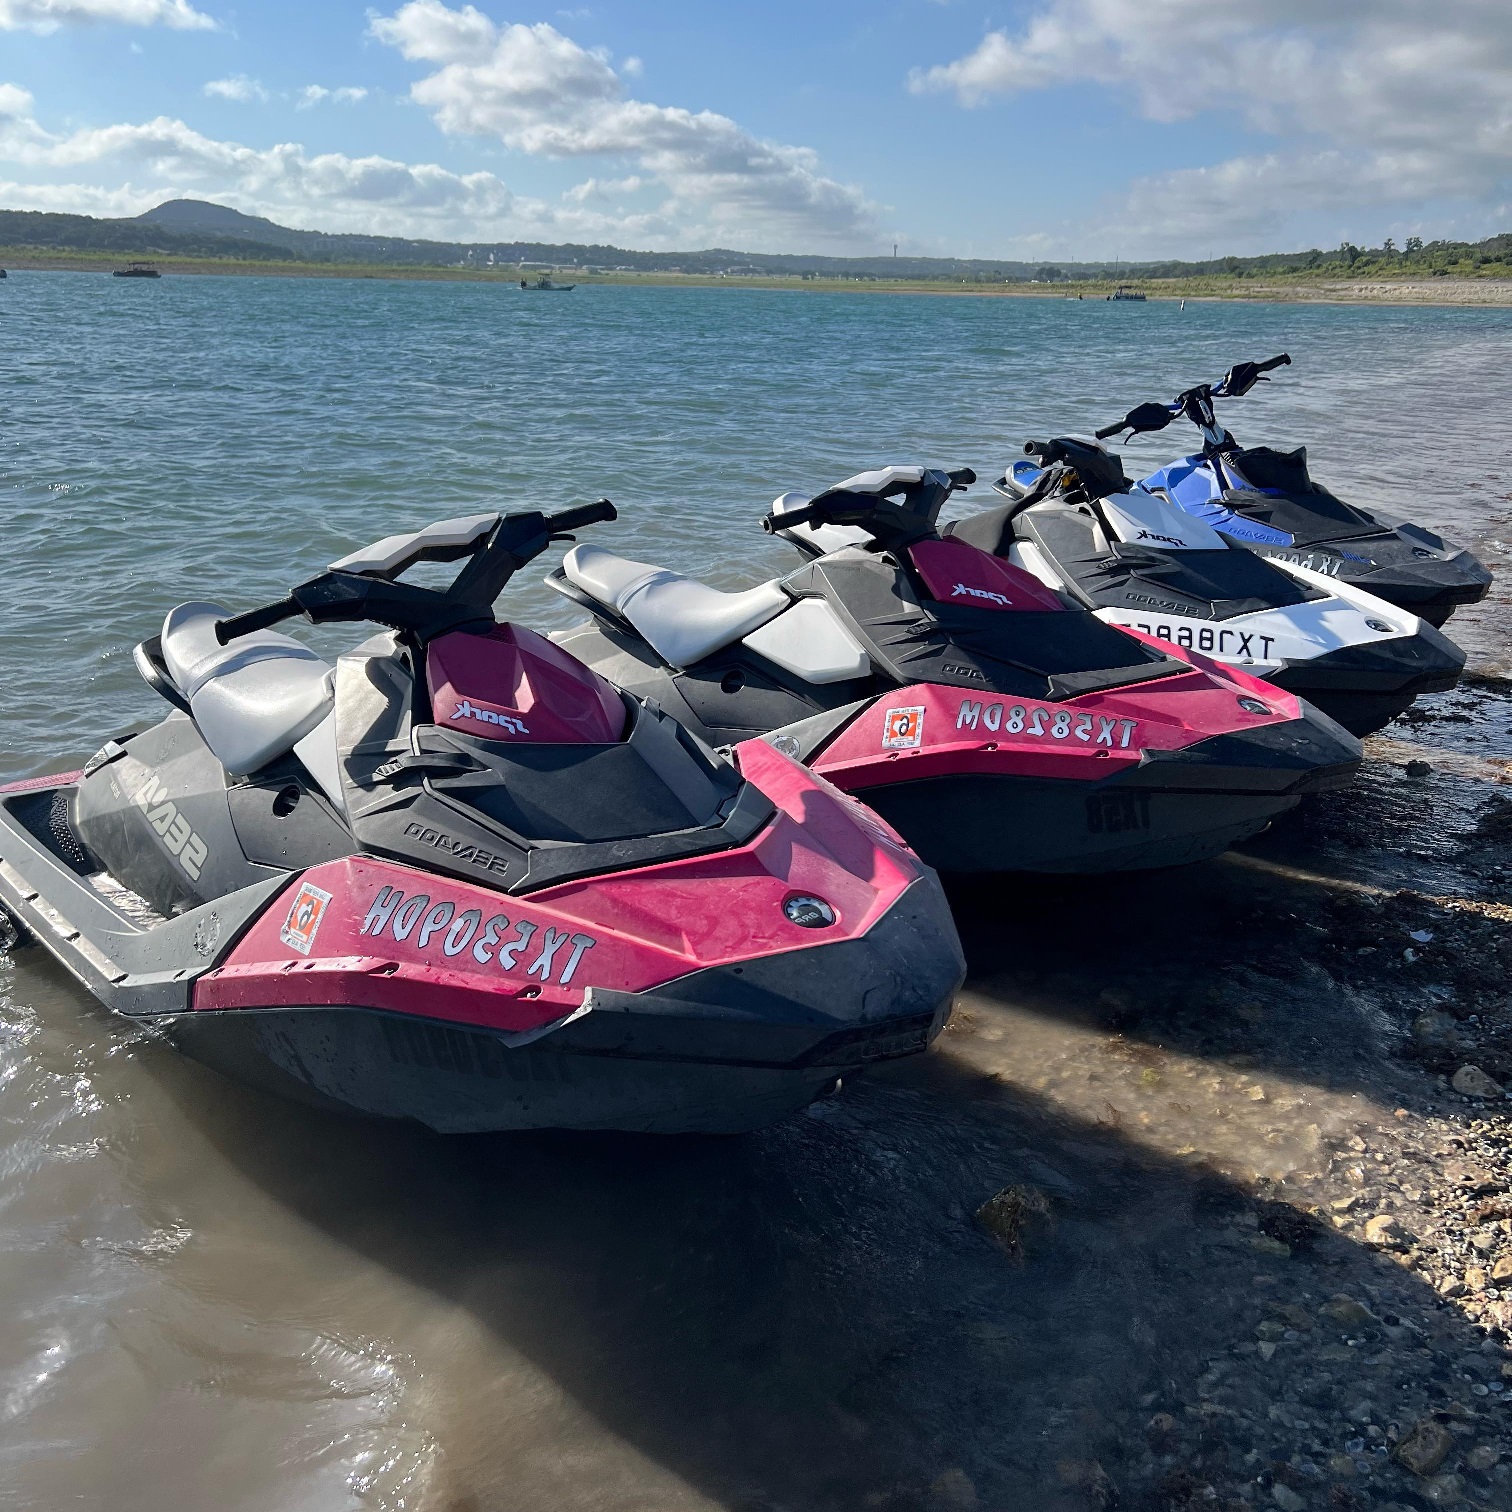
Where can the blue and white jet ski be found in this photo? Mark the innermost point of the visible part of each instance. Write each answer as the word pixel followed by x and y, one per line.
pixel 1137 560
pixel 1266 500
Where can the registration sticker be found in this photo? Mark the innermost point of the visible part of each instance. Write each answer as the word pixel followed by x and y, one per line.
pixel 1045 722
pixel 305 913
pixel 902 729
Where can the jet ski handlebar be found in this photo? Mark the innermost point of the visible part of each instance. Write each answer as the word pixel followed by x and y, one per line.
pixel 343 595
pixel 1196 403
pixel 848 506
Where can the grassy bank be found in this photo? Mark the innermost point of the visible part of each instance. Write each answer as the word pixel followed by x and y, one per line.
pixel 1489 286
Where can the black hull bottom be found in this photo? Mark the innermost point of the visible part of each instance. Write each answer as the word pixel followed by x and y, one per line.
pixel 1360 713
pixel 1012 824
pixel 460 1080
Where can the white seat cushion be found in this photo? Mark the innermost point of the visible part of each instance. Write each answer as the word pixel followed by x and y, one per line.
pixel 252 700
pixel 682 620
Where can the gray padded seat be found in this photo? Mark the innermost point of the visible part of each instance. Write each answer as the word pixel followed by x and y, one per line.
pixel 683 620
pixel 252 700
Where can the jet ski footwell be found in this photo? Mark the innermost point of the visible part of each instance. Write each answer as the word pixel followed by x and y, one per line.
pixel 396 1032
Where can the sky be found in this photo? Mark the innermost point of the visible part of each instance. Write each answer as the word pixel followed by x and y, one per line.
pixel 1029 129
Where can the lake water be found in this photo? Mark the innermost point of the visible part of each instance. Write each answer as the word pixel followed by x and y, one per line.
pixel 213 1300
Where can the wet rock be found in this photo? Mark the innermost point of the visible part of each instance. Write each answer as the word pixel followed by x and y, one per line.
pixel 1424 1447
pixel 1475 1278
pixel 953 1492
pixel 1435 1029
pixel 1471 1081
pixel 1343 1312
pixel 1387 1231
pixel 1419 769
pixel 1290 1314
pixel 1287 1499
pixel 1482 1457
pixel 1445 1490
pixel 1006 1214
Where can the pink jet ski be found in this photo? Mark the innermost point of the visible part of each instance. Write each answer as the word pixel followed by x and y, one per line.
pixel 994 724
pixel 460 878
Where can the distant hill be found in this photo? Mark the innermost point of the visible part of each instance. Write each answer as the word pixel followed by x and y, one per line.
pixel 198 228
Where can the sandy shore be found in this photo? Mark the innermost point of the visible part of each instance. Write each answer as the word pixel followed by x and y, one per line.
pixel 1416 291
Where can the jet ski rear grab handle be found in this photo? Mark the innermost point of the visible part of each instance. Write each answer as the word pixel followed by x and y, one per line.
pixel 341 596
pixel 1197 403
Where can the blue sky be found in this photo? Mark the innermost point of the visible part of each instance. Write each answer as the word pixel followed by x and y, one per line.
pixel 1054 128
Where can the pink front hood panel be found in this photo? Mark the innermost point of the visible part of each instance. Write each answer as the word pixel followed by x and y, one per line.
pixel 374 933
pixel 930 730
pixel 957 573
pixel 512 684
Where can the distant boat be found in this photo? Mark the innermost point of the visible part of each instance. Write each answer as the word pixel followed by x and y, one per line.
pixel 544 285
pixel 137 270
pixel 1131 294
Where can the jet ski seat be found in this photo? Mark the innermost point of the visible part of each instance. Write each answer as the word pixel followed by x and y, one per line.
pixel 682 619
pixel 252 700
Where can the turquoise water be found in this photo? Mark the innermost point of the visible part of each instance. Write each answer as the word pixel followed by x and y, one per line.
pixel 215 1299
pixel 222 438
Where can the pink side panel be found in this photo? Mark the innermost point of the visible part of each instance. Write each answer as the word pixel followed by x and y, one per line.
pixel 512 684
pixel 956 572
pixel 391 936
pixel 959 730
pixel 37 784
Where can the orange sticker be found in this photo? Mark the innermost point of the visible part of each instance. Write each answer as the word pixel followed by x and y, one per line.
pixel 305 913
pixel 902 729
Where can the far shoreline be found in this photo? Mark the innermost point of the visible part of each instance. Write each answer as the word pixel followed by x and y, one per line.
pixel 1447 292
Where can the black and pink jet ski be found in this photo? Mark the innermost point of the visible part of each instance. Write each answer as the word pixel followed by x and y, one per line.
pixel 996 725
pixel 461 879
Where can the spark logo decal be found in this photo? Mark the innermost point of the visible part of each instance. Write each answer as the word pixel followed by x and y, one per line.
pixel 506 722
pixel 1001 600
pixel 902 729
pixel 305 913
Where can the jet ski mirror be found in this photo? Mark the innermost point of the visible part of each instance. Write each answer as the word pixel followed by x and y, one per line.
pixel 1143 417
pixel 1243 376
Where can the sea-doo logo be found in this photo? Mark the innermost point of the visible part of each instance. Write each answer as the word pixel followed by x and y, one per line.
pixel 961 590
pixel 1040 722
pixel 1149 535
pixel 305 913
pixel 458 850
pixel 902 729
pixel 1232 644
pixel 808 913
pixel 401 917
pixel 175 831
pixel 506 722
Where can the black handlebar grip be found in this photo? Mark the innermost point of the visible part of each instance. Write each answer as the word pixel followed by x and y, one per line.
pixel 1282 361
pixel 772 523
pixel 227 630
pixel 588 514
pixel 1110 430
pixel 961 477
pixel 1036 448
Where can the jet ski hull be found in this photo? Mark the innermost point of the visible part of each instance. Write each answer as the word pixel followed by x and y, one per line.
pixel 981 823
pixel 713 993
pixel 695 1057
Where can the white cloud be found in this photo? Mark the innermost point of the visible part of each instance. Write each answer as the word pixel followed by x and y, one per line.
pixel 283 181
pixel 314 94
pixel 540 92
pixel 49 15
pixel 1373 102
pixel 125 169
pixel 238 87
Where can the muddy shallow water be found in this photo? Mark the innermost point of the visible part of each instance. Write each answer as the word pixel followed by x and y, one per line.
pixel 1197 1090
